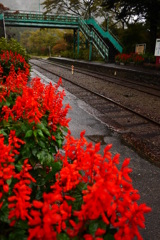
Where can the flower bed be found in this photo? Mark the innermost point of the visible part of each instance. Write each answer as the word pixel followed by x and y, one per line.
pixel 129 58
pixel 47 193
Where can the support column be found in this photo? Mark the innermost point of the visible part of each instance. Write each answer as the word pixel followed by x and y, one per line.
pixel 74 41
pixel 78 42
pixel 90 47
pixel 90 50
pixel 86 43
pixel 2 26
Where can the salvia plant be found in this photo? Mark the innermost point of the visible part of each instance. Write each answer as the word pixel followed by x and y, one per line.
pixel 127 58
pixel 53 186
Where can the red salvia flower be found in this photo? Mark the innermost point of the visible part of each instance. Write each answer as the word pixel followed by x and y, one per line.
pixel 7 153
pixel 20 201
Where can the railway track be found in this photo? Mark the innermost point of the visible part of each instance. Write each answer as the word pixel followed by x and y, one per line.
pixel 142 87
pixel 138 128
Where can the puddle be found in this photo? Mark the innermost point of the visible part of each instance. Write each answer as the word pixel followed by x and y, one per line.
pixel 128 95
pixel 97 139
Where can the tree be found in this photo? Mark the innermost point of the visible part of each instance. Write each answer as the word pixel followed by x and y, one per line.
pixel 3 8
pixel 40 41
pixel 81 8
pixel 147 11
pixel 61 46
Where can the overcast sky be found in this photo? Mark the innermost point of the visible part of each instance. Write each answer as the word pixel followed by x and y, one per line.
pixel 25 5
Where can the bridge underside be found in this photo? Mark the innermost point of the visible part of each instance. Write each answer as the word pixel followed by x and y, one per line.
pixel 41 25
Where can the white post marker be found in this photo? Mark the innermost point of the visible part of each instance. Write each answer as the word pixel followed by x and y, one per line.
pixel 72 69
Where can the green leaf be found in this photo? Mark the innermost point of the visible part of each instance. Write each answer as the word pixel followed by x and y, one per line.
pixel 17 234
pixel 26 152
pixel 46 131
pixel 29 133
pixel 35 133
pixel 93 227
pixel 40 181
pixel 39 194
pixel 7 103
pixel 43 128
pixel 58 136
pixel 35 150
pixel 3 132
pixel 4 212
pixel 59 142
pixel 109 236
pixel 63 236
pixel 8 181
pixel 18 167
pixel 44 157
pixel 56 166
pixel 42 144
pixel 65 129
pixel 40 133
pixel 24 127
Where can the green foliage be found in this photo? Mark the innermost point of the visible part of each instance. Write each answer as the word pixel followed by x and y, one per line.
pixel 13 46
pixel 81 8
pixel 144 11
pixel 134 34
pixel 59 48
pixel 149 58
pixel 41 41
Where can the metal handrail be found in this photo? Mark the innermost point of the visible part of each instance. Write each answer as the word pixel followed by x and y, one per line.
pixel 105 34
pixel 109 32
pixel 92 35
pixel 38 16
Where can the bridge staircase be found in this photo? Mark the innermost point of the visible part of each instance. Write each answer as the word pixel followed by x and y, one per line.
pixel 114 46
pixel 94 38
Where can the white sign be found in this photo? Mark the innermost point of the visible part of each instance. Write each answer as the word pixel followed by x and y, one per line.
pixel 157 48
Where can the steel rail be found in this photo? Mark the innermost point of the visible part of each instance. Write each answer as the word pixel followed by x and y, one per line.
pixel 106 98
pixel 101 77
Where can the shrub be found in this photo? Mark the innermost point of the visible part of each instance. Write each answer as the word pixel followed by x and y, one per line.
pixel 9 59
pixel 127 58
pixel 13 46
pixel 149 58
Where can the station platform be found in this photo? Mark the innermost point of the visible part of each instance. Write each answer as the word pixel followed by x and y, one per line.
pixel 139 73
pixel 145 176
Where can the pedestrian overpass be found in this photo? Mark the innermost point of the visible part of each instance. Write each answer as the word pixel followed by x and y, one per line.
pixel 105 43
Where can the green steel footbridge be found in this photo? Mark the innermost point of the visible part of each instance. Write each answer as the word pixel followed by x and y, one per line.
pixel 104 41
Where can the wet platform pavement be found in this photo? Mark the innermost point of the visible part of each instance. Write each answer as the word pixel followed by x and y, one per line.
pixel 145 176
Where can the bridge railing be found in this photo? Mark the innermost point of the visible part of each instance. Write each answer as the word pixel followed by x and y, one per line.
pixel 39 16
